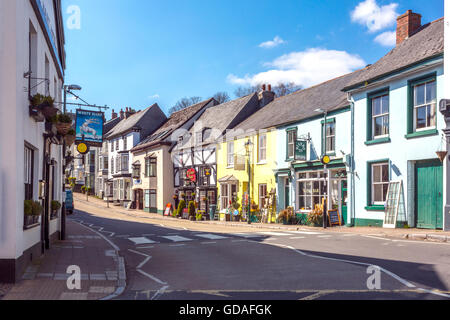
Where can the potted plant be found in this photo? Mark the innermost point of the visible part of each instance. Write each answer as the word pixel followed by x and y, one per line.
pixel 286 216
pixel 63 123
pixel 191 210
pixel 315 218
pixel 70 137
pixel 181 207
pixel 55 206
pixel 45 104
pixel 36 211
pixel 28 212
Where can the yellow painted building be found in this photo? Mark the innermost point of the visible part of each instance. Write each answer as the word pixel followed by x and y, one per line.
pixel 233 175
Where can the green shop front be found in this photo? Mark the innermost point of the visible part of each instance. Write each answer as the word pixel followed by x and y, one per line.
pixel 305 185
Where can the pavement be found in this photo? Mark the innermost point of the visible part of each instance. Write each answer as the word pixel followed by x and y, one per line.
pixel 101 274
pixel 403 233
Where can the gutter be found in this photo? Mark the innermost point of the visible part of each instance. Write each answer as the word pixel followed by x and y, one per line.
pixel 352 215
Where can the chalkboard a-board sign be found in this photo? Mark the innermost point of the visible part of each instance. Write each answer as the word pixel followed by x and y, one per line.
pixel 334 218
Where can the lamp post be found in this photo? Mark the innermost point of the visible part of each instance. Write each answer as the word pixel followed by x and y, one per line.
pixel 248 145
pixel 325 160
pixel 67 89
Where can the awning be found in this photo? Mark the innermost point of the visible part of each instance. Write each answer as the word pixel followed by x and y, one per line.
pixel 228 179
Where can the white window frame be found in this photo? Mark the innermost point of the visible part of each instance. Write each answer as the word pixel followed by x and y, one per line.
pixel 432 104
pixel 230 154
pixel 381 115
pixel 327 137
pixel 262 148
pixel 290 143
pixel 311 177
pixel 373 183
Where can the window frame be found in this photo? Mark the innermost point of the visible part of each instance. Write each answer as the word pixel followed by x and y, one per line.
pixel 424 105
pixel 290 131
pixel 230 156
pixel 29 172
pixel 411 132
pixel 149 163
pixel 262 147
pixel 371 204
pixel 331 121
pixel 370 125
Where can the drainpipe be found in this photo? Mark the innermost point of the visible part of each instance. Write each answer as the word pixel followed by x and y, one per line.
pixel 352 207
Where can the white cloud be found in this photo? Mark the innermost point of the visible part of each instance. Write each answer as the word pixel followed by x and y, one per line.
pixel 272 43
pixel 305 68
pixel 375 17
pixel 155 96
pixel 387 39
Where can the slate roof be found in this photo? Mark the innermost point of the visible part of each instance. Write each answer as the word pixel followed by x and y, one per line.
pixel 176 120
pixel 426 43
pixel 139 121
pixel 301 105
pixel 222 117
pixel 109 125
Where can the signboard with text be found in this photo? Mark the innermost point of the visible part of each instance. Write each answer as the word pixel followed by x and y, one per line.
pixel 89 127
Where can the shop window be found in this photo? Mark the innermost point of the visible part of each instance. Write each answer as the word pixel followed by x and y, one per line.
pixel 310 190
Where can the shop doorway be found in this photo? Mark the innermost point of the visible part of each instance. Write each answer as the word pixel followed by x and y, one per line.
pixel 139 199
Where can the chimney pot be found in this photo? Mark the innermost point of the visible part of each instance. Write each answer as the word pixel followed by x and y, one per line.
pixel 407 24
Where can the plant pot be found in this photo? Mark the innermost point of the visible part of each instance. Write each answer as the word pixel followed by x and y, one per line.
pixel 48 110
pixel 63 128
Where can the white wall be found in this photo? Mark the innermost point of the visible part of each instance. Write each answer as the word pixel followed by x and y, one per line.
pixel 400 150
pixel 15 124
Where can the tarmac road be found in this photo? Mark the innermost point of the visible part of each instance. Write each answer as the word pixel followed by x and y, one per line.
pixel 181 260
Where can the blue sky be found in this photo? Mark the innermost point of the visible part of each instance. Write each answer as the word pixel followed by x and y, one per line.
pixel 133 53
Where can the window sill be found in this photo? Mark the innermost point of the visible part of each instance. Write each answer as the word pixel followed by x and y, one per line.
pixel 331 154
pixel 261 163
pixel 375 208
pixel 419 134
pixel 377 141
pixel 230 167
pixel 31 226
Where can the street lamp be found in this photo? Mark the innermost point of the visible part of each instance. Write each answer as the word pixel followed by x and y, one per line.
pixel 249 145
pixel 66 88
pixel 325 160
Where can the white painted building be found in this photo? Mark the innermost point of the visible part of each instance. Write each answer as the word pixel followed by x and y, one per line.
pixel 398 127
pixel 121 139
pixel 32 60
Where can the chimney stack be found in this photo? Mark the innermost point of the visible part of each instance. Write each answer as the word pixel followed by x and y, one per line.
pixel 122 115
pixel 266 96
pixel 407 24
pixel 113 115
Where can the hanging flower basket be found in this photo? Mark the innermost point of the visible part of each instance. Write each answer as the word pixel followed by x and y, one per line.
pixel 441 155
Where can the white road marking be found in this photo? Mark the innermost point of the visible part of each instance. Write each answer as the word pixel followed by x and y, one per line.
pixel 293 238
pixel 211 236
pixel 151 277
pixel 141 240
pixel 305 232
pixel 176 238
pixel 323 236
pixel 148 247
pixel 143 262
pixel 212 242
pixel 246 235
pixel 177 245
pixel 275 234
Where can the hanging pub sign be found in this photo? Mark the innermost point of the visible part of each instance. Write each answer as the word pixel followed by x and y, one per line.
pixel 300 150
pixel 207 172
pixel 191 175
pixel 89 127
